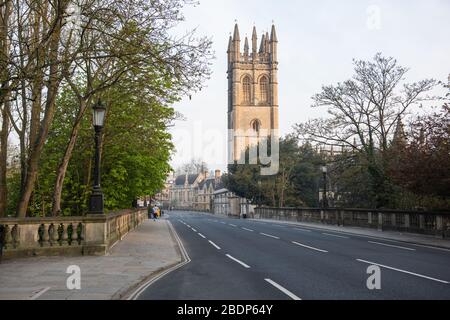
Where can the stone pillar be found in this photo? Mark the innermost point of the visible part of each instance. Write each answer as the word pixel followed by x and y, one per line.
pixel 407 223
pixel 421 221
pixel 96 239
pixel 380 221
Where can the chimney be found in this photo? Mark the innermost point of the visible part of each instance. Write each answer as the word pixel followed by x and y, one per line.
pixel 217 174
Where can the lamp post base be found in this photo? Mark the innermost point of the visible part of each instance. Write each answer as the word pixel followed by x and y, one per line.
pixel 96 202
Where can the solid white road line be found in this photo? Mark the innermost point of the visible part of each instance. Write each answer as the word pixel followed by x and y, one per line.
pixel 282 289
pixel 404 271
pixel 185 259
pixel 233 225
pixel 309 247
pixel 201 235
pixel 300 229
pixel 215 245
pixel 238 261
pixel 247 229
pixel 39 293
pixel 269 235
pixel 391 245
pixel 334 235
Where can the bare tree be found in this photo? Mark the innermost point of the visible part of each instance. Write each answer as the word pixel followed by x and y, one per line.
pixel 364 111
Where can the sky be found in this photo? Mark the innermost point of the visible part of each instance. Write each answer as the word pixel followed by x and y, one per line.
pixel 317 41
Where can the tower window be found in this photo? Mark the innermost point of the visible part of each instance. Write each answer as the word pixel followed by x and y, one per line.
pixel 246 87
pixel 264 89
pixel 256 125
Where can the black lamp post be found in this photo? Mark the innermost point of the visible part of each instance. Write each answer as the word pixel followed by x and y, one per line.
pixel 324 195
pixel 96 200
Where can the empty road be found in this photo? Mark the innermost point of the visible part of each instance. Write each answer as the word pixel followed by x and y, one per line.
pixel 250 259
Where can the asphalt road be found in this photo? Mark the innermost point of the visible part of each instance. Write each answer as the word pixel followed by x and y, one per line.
pixel 248 259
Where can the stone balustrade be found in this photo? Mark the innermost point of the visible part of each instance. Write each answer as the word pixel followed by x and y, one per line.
pixel 84 235
pixel 435 223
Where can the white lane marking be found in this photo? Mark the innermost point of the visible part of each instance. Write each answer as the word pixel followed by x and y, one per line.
pixel 309 247
pixel 334 235
pixel 194 230
pixel 233 225
pixel 268 235
pixel 278 225
pixel 404 271
pixel 39 293
pixel 247 229
pixel 185 259
pixel 300 229
pixel 238 261
pixel 282 289
pixel 223 222
pixel 215 245
pixel 201 235
pixel 391 245
pixel 377 238
pixel 188 226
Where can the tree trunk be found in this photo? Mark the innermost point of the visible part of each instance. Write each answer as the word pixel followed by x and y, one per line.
pixel 52 90
pixel 3 159
pixel 5 12
pixel 62 168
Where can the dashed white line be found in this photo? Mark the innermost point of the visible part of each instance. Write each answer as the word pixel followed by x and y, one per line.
pixel 223 222
pixel 215 245
pixel 269 235
pixel 238 261
pixel 282 289
pixel 195 230
pixel 334 235
pixel 39 293
pixel 201 235
pixel 233 225
pixel 391 245
pixel 247 229
pixel 309 247
pixel 188 226
pixel 404 271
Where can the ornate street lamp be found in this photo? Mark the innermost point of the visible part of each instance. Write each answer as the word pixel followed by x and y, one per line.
pixel 96 199
pixel 324 195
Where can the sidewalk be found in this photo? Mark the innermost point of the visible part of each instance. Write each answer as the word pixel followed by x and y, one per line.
pixel 420 239
pixel 143 253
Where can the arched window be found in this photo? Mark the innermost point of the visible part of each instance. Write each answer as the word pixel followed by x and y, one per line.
pixel 264 89
pixel 246 88
pixel 256 125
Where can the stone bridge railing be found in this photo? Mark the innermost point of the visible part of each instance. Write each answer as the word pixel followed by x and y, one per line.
pixel 83 235
pixel 435 223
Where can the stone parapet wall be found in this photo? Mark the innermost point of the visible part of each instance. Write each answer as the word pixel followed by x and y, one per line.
pixel 434 223
pixel 82 235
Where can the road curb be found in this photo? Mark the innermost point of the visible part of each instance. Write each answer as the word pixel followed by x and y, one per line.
pixel 135 291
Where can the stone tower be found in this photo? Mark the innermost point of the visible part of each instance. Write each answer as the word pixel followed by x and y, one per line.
pixel 252 90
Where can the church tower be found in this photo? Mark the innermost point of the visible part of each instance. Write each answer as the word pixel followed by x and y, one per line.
pixel 252 90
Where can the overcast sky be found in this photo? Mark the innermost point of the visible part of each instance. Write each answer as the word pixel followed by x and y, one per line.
pixel 317 42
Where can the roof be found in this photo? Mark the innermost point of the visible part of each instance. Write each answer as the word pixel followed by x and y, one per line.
pixel 179 181
pixel 223 190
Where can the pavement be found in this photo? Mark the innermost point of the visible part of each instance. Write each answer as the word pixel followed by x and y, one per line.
pixel 253 259
pixel 142 254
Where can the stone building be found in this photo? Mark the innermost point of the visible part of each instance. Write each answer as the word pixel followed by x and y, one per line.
pixel 183 193
pixel 252 91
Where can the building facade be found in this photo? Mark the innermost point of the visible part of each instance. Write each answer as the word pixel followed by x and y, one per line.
pixel 252 91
